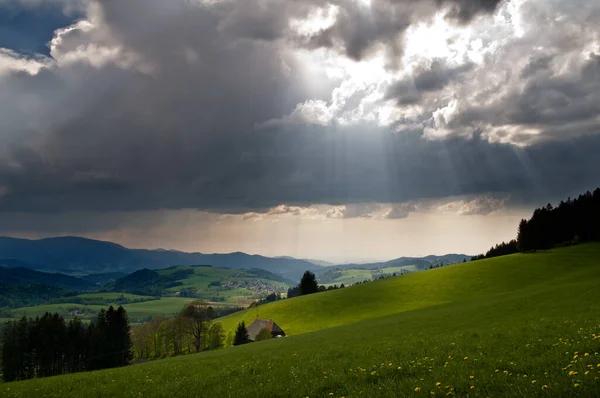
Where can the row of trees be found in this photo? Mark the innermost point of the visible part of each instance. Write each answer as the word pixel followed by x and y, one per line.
pixel 190 331
pixel 49 346
pixel 501 249
pixel 573 221
pixel 576 220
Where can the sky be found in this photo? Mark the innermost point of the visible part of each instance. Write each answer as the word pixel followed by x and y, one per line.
pixel 341 130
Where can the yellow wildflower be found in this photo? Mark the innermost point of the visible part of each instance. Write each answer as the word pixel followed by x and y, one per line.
pixel 544 387
pixel 417 389
pixel 472 387
pixel 471 377
pixel 533 381
pixel 576 385
pixel 438 384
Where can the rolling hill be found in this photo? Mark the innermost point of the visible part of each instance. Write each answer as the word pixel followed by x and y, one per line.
pixel 521 325
pixel 25 276
pixel 146 293
pixel 419 263
pixel 87 256
pixel 23 286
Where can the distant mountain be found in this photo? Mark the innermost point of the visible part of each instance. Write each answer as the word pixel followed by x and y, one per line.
pixel 315 262
pixel 87 256
pixel 419 262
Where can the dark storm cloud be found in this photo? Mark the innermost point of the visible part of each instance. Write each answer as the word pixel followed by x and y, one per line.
pixel 426 79
pixel 303 168
pixel 358 29
pixel 548 101
pixel 466 10
pixel 170 121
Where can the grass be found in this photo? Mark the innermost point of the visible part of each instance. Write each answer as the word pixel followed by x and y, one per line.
pixel 522 325
pixel 476 281
pixel 113 296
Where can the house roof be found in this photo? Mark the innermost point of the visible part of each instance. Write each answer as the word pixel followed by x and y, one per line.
pixel 259 324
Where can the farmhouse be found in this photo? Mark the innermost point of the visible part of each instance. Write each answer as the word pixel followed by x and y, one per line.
pixel 259 324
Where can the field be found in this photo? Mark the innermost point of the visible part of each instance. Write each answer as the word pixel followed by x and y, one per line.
pixel 167 306
pixel 523 325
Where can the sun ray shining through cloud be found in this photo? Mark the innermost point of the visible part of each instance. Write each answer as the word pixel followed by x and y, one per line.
pixel 272 115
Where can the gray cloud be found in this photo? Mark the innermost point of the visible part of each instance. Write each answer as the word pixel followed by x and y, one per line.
pixel 430 78
pixel 156 107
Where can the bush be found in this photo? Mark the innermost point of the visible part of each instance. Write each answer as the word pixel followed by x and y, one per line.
pixel 263 334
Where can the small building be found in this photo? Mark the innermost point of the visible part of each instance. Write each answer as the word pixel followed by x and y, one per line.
pixel 259 324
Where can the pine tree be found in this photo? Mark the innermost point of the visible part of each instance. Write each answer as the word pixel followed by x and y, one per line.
pixel 241 334
pixel 308 284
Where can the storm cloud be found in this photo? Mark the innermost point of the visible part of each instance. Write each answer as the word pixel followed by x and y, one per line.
pixel 213 106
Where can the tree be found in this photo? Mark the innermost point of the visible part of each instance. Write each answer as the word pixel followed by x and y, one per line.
pixel 241 334
pixel 215 336
pixel 195 317
pixel 263 334
pixel 308 284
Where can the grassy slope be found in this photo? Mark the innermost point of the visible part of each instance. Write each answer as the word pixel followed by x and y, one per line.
pixel 516 274
pixel 505 322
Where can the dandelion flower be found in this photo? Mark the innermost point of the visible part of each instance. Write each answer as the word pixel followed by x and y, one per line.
pixel 417 389
pixel 472 387
pixel 576 385
pixel 544 387
pixel 471 377
pixel 533 382
pixel 438 384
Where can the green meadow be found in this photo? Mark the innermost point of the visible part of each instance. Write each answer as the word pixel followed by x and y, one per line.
pixel 524 325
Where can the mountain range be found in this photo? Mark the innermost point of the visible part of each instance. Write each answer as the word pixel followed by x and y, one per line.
pixel 74 255
pixel 82 256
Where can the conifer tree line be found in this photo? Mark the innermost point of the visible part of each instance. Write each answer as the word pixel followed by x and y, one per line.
pixel 49 346
pixel 576 220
